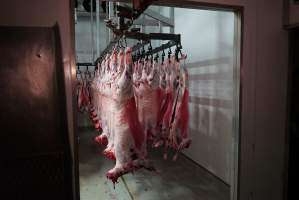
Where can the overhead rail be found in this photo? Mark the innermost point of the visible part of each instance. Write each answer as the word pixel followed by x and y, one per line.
pixel 127 17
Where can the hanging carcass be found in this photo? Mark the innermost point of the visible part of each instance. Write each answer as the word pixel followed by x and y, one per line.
pixel 140 103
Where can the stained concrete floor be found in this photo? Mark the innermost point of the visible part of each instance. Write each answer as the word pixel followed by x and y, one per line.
pixel 182 179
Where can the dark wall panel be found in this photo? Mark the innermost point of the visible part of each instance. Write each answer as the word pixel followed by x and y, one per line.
pixel 35 151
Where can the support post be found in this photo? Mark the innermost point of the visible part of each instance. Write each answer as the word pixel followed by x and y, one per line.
pixel 91 31
pixel 172 20
pixel 110 17
pixel 98 27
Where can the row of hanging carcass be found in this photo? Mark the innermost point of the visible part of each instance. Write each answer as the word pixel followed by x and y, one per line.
pixel 137 104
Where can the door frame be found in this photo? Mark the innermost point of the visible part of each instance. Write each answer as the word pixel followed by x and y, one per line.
pixel 238 40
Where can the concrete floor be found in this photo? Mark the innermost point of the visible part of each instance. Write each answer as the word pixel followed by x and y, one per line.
pixel 182 179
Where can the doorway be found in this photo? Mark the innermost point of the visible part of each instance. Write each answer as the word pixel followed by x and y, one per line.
pixel 208 169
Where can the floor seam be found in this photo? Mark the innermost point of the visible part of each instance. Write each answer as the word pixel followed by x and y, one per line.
pixel 127 187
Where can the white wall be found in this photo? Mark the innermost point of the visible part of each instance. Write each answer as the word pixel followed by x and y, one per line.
pixel 207 38
pixel 83 45
pixel 83 39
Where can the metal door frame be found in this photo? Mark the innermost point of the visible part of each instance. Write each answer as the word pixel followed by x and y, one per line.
pixel 238 39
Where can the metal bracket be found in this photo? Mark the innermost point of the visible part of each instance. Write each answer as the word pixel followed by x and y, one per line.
pixel 153 36
pixel 158 49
